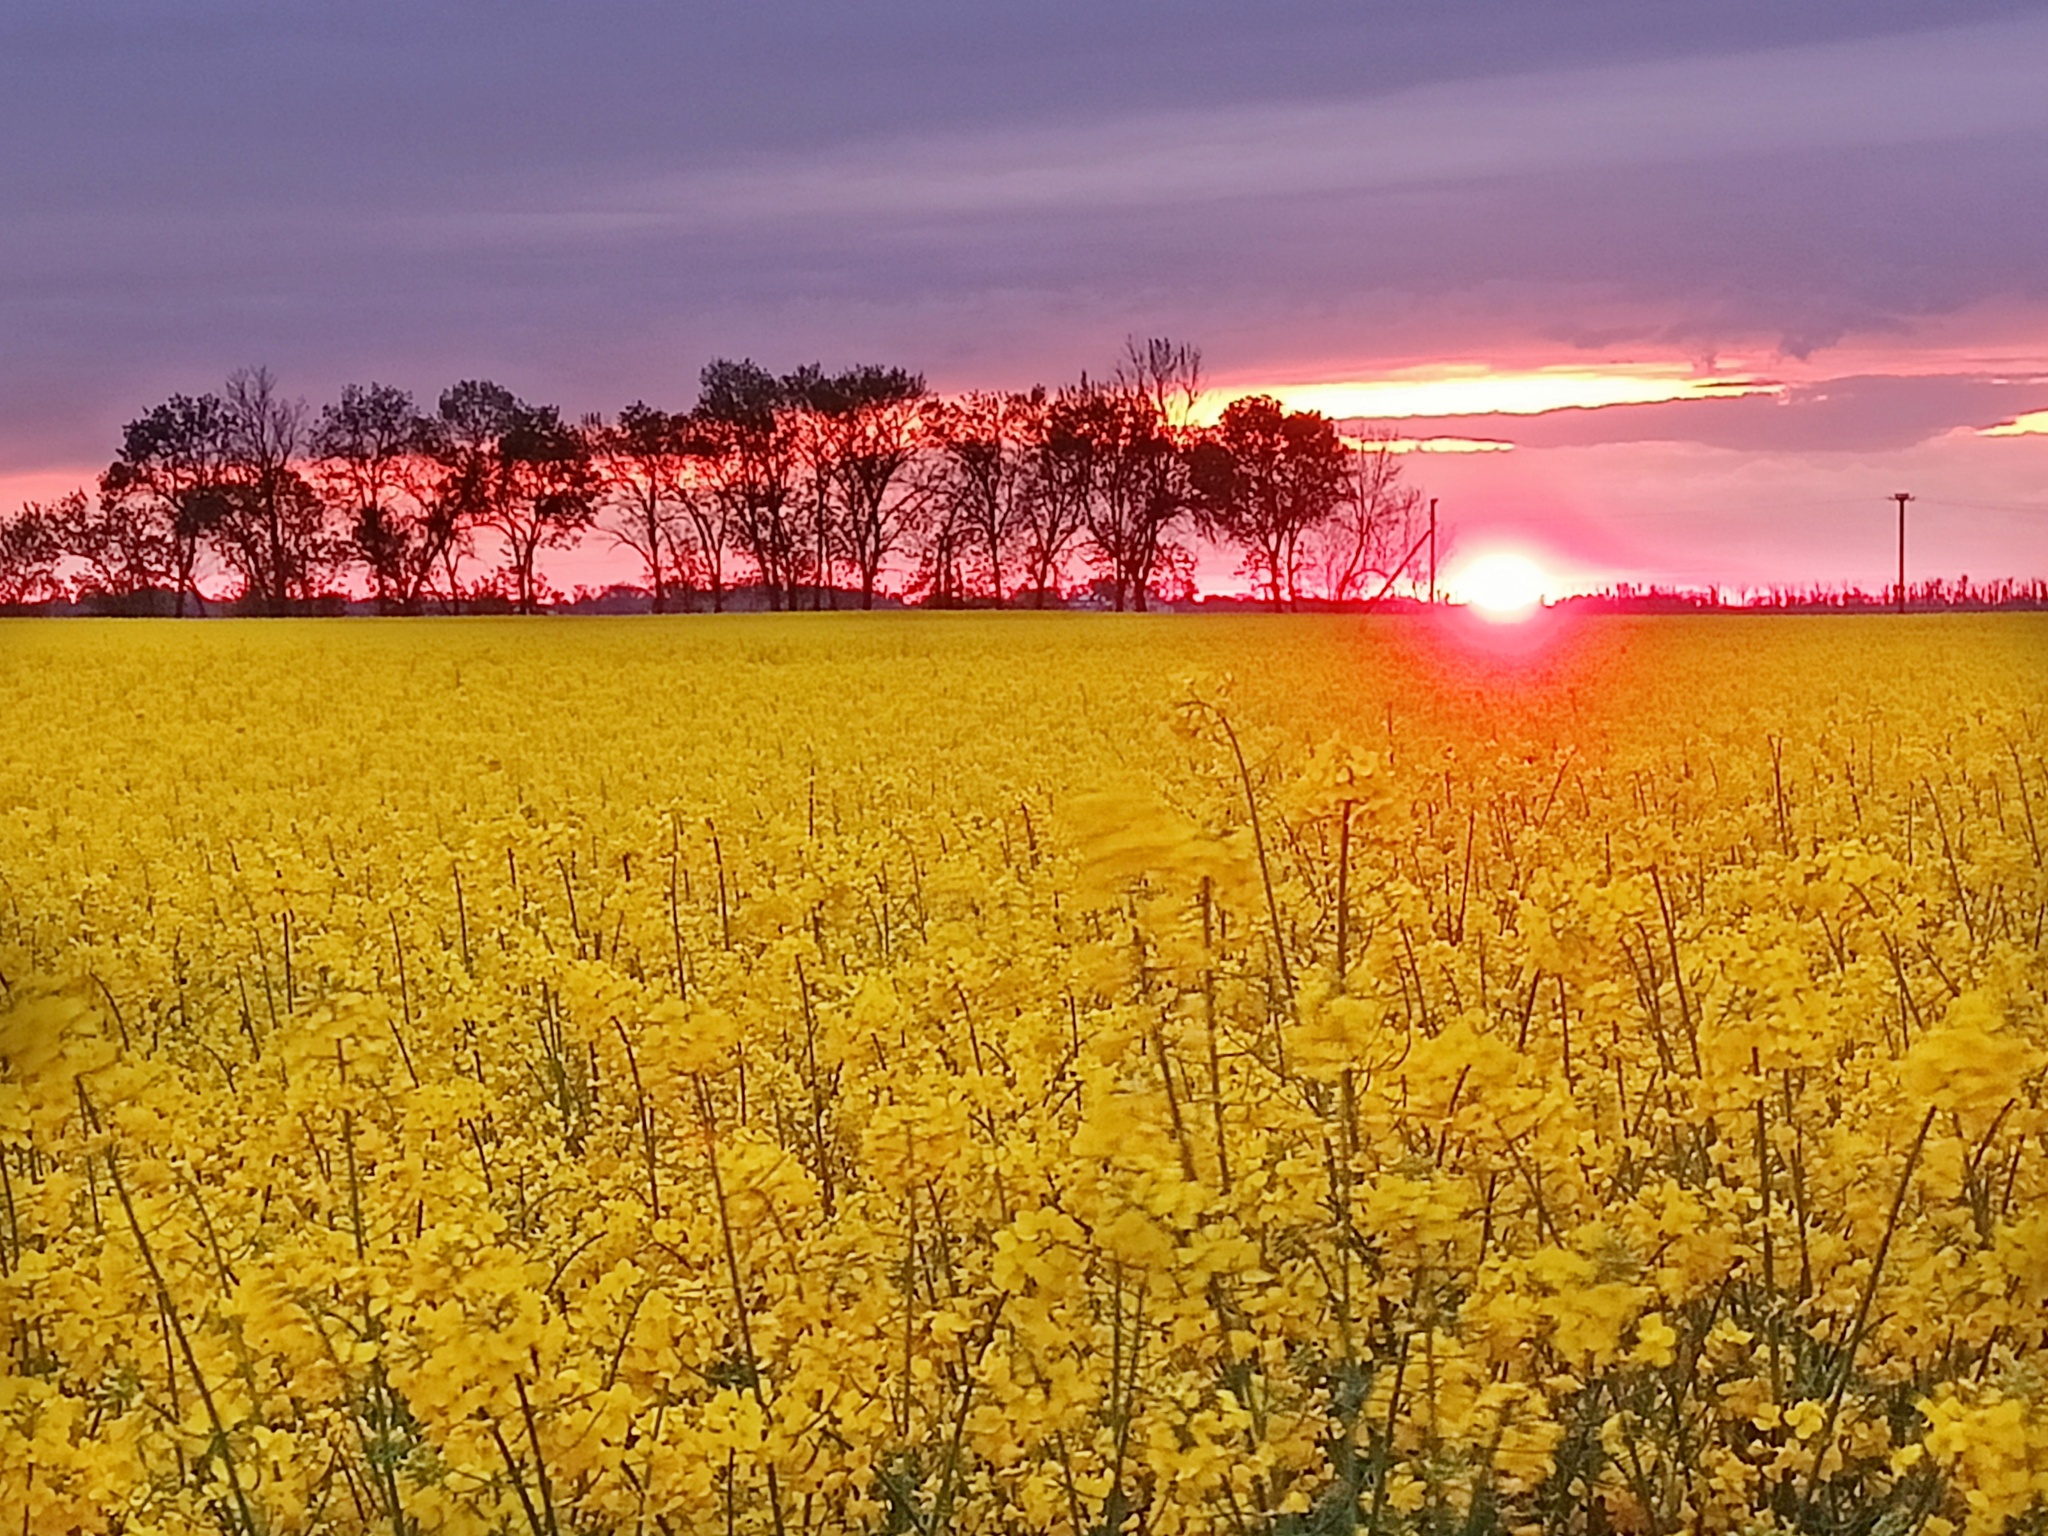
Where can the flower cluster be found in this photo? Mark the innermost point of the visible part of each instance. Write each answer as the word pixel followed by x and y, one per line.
pixel 975 1076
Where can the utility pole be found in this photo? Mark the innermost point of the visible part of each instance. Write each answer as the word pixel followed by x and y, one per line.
pixel 1902 497
pixel 1432 551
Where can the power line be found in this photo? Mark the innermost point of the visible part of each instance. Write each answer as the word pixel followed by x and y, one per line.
pixel 1990 506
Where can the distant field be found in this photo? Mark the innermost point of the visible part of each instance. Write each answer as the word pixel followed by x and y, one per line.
pixel 1015 1073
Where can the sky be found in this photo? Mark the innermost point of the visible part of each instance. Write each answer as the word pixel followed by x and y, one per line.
pixel 1705 283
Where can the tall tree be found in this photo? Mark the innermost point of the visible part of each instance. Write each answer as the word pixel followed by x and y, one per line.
pixel 373 455
pixel 1139 490
pixel 641 461
pixel 553 494
pixel 857 434
pixel 744 447
pixel 1139 428
pixel 709 542
pixel 805 409
pixel 470 421
pixel 1264 478
pixel 162 495
pixel 984 442
pixel 944 576
pixel 873 421
pixel 272 528
pixel 1160 381
pixel 521 471
pixel 1058 483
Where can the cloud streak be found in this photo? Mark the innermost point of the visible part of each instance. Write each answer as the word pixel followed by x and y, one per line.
pixel 1851 415
pixel 1939 86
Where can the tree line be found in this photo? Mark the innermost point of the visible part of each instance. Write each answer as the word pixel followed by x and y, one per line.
pixel 808 485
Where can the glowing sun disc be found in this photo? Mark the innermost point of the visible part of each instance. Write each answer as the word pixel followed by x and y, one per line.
pixel 1503 585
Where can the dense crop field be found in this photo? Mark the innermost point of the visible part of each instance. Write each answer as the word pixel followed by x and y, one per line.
pixel 1007 1074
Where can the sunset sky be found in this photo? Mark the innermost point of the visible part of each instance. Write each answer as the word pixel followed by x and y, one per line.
pixel 1724 276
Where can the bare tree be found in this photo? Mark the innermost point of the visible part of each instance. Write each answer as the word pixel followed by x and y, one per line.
pixel 272 526
pixel 447 515
pixel 1165 373
pixel 1136 492
pixel 1266 477
pixel 640 461
pixel 1122 432
pixel 1362 548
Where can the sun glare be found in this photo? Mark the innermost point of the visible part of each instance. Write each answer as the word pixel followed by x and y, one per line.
pixel 1502 586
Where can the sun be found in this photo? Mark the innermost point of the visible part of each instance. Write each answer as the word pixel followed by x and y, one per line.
pixel 1502 586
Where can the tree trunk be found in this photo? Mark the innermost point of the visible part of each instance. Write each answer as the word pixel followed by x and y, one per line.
pixel 527 550
pixel 654 563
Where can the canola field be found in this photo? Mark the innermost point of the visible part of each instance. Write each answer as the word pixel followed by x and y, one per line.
pixel 1011 1074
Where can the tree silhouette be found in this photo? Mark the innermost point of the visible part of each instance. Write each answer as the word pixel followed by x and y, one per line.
pixel 1138 427
pixel 159 499
pixel 30 550
pixel 1164 380
pixel 642 460
pixel 521 471
pixel 984 443
pixel 815 480
pixel 743 443
pixel 803 406
pixel 552 493
pixel 373 455
pixel 271 526
pixel 870 421
pixel 1059 479
pixel 1264 478
pixel 1360 549
pixel 1137 489
pixel 944 577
